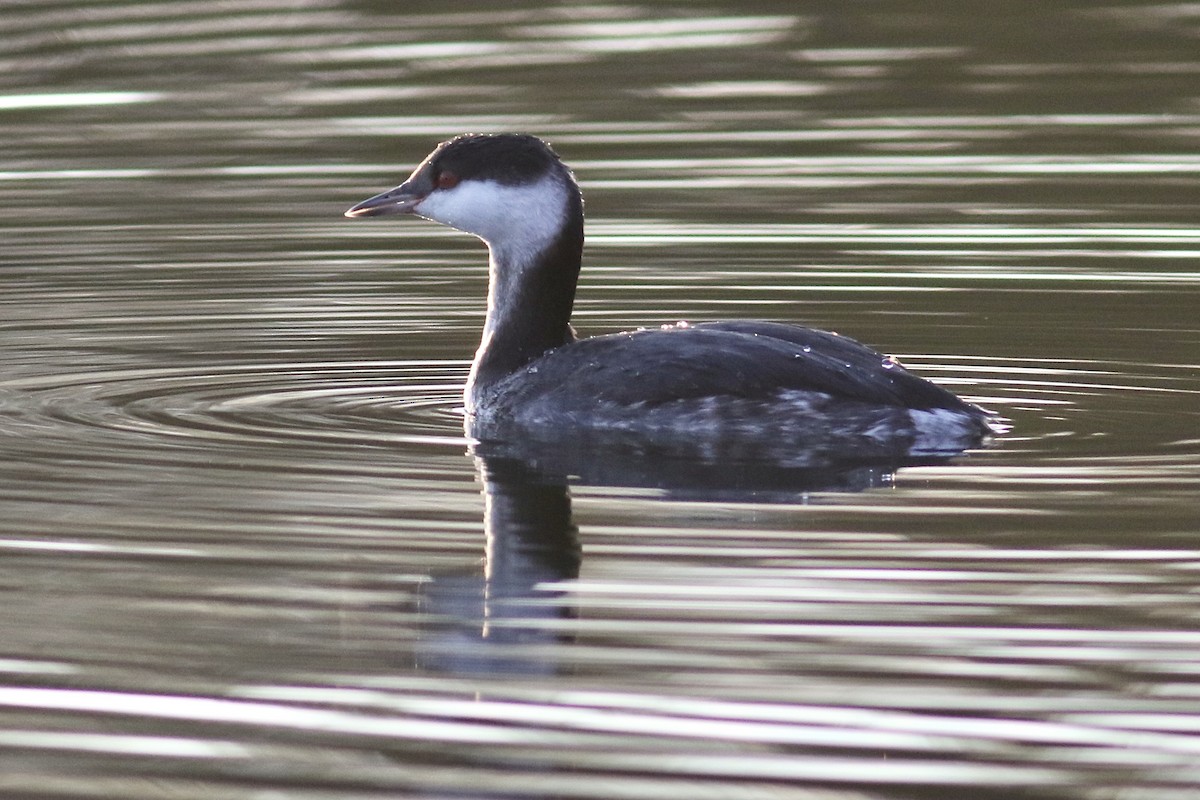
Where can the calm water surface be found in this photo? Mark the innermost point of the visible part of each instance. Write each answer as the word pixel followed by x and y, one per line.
pixel 248 554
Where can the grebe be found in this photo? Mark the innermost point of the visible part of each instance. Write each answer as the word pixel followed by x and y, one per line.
pixel 729 380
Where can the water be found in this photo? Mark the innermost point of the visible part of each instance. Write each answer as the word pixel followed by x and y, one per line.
pixel 247 552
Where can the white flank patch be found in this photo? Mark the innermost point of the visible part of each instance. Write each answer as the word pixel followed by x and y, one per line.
pixel 941 430
pixel 517 221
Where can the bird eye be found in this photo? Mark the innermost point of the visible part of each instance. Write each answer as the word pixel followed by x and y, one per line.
pixel 447 180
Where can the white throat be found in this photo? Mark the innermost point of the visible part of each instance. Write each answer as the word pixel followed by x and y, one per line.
pixel 517 222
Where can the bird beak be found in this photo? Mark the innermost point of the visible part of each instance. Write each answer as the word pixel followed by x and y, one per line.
pixel 402 200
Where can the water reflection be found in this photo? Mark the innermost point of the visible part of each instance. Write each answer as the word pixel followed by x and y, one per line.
pixel 728 475
pixel 231 463
pixel 496 624
pixel 507 619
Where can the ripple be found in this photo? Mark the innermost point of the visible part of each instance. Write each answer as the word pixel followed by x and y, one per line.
pixel 12 102
pixel 237 521
pixel 342 404
pixel 384 403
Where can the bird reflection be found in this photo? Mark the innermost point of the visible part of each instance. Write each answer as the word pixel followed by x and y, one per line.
pixel 495 625
pixel 705 470
pixel 512 618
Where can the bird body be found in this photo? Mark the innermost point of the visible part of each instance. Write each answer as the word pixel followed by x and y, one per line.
pixel 744 379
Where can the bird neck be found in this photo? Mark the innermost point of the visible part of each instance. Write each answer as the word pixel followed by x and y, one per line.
pixel 531 291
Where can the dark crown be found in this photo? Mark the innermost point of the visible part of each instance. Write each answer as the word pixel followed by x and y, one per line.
pixel 508 158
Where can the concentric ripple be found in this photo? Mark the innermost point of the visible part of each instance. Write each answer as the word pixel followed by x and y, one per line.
pixel 342 404
pixel 358 403
pixel 245 553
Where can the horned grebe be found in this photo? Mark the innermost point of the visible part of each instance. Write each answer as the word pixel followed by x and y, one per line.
pixel 730 380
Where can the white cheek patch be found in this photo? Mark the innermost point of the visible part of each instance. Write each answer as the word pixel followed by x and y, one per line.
pixel 506 217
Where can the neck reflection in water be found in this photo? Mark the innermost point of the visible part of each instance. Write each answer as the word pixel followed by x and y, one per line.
pixel 508 620
pixel 494 625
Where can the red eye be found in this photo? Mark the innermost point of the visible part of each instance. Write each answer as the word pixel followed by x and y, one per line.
pixel 447 180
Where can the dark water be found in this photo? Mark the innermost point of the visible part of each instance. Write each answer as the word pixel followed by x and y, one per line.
pixel 246 552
